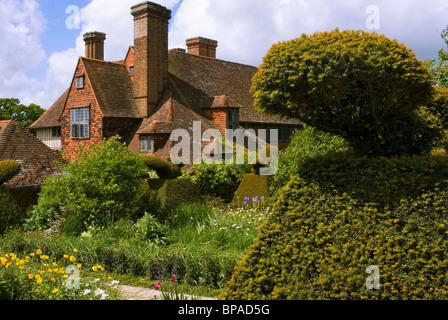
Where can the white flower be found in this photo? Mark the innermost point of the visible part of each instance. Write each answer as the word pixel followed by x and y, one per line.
pixel 114 282
pixel 99 291
pixel 104 296
pixel 87 291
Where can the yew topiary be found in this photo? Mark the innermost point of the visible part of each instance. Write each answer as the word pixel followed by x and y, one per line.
pixel 164 169
pixel 325 233
pixel 360 85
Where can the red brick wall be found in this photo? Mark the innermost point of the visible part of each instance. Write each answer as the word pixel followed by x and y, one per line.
pixel 79 98
pixel 129 62
pixel 219 117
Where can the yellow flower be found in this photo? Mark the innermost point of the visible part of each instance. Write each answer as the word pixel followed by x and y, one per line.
pixel 65 276
pixel 39 252
pixel 79 265
pixel 39 281
pixel 66 256
pixel 55 290
pixel 72 258
pixel 94 268
pixel 32 254
pixel 75 250
pixel 44 257
pixel 55 264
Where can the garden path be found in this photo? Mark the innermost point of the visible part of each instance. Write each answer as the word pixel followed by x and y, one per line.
pixel 137 293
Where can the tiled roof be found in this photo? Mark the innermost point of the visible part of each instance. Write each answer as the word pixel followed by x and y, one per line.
pixel 51 117
pixel 201 79
pixel 112 87
pixel 37 160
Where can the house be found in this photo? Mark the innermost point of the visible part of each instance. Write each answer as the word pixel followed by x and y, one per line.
pixel 152 92
pixel 36 158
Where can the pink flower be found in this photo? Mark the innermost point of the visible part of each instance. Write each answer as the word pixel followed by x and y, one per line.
pixel 157 287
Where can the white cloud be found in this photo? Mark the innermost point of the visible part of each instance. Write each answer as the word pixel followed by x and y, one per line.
pixel 245 30
pixel 21 49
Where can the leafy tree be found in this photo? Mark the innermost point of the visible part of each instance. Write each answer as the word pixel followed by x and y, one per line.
pixel 439 66
pixel 100 185
pixel 25 115
pixel 359 85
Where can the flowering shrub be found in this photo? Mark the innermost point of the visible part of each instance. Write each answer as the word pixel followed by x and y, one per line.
pixel 325 232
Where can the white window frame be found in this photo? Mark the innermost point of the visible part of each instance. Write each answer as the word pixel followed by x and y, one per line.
pixel 80 82
pixel 147 143
pixel 80 123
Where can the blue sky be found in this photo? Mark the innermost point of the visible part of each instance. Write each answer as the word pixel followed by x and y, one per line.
pixel 45 51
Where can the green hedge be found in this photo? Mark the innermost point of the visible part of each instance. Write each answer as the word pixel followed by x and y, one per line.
pixel 10 213
pixel 252 186
pixel 343 214
pixel 167 195
pixel 164 169
pixel 8 169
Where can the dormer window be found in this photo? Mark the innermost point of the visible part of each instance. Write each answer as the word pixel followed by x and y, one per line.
pixel 80 82
pixel 233 118
pixel 131 71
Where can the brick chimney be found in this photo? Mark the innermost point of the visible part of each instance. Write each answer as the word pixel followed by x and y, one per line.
pixel 151 54
pixel 95 45
pixel 202 47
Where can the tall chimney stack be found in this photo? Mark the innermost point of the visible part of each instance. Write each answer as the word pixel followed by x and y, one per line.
pixel 151 54
pixel 95 45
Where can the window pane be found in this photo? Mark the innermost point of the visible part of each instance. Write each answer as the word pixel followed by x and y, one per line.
pixel 80 82
pixel 74 131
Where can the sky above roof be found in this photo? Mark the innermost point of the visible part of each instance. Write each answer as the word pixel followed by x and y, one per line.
pixel 42 39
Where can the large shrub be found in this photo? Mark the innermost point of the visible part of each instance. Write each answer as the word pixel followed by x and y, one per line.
pixel 337 218
pixel 359 85
pixel 100 185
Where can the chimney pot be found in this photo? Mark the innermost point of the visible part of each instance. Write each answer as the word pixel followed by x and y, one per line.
pixel 95 45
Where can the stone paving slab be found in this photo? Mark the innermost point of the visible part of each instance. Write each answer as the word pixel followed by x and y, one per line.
pixel 136 293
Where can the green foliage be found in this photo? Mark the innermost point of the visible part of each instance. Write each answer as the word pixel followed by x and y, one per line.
pixel 220 180
pixel 305 144
pixel 359 85
pixel 99 185
pixel 149 229
pixel 252 186
pixel 340 216
pixel 8 169
pixel 167 195
pixel 10 213
pixel 439 66
pixel 164 169
pixel 25 115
